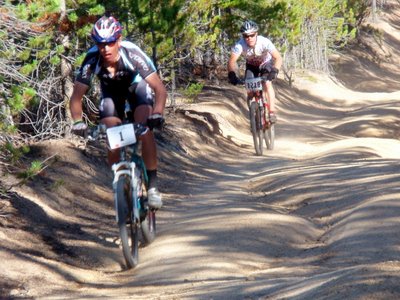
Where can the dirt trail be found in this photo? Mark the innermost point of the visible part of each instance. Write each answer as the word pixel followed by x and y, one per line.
pixel 317 218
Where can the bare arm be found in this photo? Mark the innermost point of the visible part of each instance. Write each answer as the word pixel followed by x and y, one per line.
pixel 76 100
pixel 277 59
pixel 160 92
pixel 232 65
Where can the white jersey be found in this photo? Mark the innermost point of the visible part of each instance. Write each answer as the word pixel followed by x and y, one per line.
pixel 257 56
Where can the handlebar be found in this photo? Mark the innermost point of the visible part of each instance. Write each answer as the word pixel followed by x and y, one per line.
pixel 263 78
pixel 100 131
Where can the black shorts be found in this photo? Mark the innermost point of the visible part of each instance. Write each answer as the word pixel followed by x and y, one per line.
pixel 115 104
pixel 257 71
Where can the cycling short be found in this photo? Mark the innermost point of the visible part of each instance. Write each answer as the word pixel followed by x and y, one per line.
pixel 113 104
pixel 257 71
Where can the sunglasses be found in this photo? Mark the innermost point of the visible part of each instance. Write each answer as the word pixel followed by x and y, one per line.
pixel 109 44
pixel 246 36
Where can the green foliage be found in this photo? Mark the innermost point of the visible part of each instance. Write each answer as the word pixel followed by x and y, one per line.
pixel 25 55
pixel 42 53
pixel 73 17
pixel 22 12
pixel 16 103
pixel 7 128
pixel 29 93
pixel 60 49
pixel 158 22
pixel 13 154
pixel 55 60
pixel 34 169
pixel 193 90
pixel 355 10
pixel 286 17
pixel 29 68
pixel 20 97
pixel 84 31
pixel 178 34
pixel 35 10
pixel 40 41
pixel 79 60
pixel 97 10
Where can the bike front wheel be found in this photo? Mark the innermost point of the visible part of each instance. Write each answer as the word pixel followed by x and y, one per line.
pixel 256 128
pixel 128 229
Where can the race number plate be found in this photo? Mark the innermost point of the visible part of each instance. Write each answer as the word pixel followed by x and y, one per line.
pixel 253 84
pixel 121 136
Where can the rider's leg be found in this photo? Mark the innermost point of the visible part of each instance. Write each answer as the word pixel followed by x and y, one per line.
pixel 149 149
pixel 142 96
pixel 108 116
pixel 149 154
pixel 269 92
pixel 112 155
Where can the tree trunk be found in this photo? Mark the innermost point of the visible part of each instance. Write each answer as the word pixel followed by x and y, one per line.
pixel 66 68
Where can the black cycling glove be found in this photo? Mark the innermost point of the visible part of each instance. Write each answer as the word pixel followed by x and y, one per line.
pixel 233 79
pixel 155 121
pixel 273 74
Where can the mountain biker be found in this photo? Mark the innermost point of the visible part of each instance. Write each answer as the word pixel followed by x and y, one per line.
pixel 125 73
pixel 262 58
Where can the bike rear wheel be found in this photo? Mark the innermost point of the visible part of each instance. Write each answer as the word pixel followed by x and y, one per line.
pixel 128 229
pixel 256 127
pixel 148 215
pixel 149 226
pixel 269 137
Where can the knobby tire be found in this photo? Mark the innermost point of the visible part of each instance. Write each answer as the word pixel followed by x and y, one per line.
pixel 269 136
pixel 128 230
pixel 149 226
pixel 256 127
pixel 148 223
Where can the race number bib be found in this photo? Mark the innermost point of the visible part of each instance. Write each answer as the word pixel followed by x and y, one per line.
pixel 121 136
pixel 254 84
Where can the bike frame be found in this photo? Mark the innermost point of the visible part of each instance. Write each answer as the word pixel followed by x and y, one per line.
pixel 263 102
pixel 129 168
pixel 263 105
pixel 132 211
pixel 261 127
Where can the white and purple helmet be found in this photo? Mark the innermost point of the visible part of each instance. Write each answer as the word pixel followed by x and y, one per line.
pixel 106 30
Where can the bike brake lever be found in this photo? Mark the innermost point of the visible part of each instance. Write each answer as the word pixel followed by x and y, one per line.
pixel 140 129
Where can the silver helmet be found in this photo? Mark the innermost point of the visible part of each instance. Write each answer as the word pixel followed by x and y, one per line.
pixel 249 27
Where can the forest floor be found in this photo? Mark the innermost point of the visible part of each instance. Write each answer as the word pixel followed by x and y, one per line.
pixel 316 218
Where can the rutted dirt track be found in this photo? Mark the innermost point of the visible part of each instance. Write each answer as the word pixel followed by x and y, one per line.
pixel 317 218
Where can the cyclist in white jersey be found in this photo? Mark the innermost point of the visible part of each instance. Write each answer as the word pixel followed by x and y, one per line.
pixel 261 56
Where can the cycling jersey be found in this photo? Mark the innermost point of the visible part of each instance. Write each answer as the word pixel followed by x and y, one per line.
pixel 127 83
pixel 133 66
pixel 257 56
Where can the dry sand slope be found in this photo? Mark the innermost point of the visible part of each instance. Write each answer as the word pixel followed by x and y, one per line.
pixel 317 218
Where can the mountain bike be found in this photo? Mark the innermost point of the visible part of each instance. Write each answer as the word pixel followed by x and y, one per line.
pixel 133 213
pixel 259 109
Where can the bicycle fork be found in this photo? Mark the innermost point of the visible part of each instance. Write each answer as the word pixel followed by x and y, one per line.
pixel 127 169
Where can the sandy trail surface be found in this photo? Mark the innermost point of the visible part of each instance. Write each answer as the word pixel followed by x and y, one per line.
pixel 316 218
